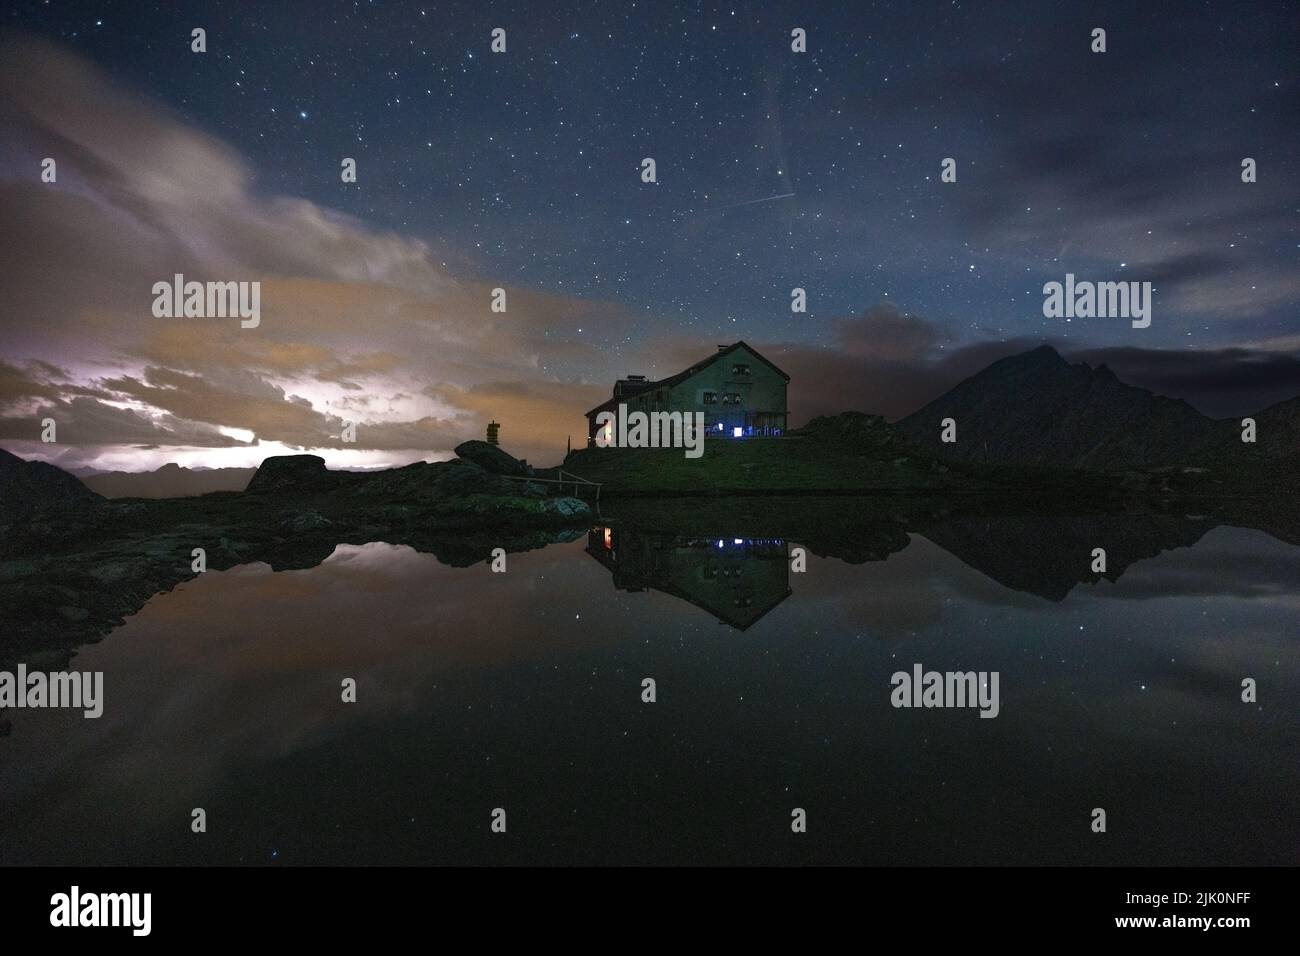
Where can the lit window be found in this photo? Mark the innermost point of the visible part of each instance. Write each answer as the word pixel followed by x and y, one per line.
pixel 737 432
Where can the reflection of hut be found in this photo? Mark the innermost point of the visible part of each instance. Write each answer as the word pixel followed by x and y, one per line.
pixel 737 580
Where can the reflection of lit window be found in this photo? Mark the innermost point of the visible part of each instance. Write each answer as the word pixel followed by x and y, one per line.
pixel 609 539
pixel 737 432
pixel 609 434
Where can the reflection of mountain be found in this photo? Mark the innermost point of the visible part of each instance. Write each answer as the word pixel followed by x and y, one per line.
pixel 1048 556
pixel 72 564
pixel 737 580
pixel 1044 552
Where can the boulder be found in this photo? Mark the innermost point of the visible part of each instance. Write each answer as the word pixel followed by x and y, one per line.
pixel 492 459
pixel 289 471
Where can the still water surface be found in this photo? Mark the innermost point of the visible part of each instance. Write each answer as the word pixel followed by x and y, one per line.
pixel 523 691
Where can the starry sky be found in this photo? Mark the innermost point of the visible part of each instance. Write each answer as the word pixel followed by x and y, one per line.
pixel 522 170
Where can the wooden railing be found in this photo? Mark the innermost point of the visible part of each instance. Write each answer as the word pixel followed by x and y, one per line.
pixel 565 478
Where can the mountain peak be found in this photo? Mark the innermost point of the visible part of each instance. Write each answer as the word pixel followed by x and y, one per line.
pixel 1043 358
pixel 1044 354
pixel 1037 409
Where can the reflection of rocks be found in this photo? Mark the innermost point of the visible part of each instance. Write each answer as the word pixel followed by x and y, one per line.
pixel 72 565
pixel 1037 547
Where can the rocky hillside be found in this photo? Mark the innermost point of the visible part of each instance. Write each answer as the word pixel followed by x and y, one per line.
pixel 1036 409
pixel 73 564
pixel 27 485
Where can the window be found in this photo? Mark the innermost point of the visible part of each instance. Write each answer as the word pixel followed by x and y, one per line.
pixel 710 398
pixel 731 398
pixel 740 369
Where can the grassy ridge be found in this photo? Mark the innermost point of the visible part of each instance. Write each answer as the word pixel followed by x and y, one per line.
pixel 767 465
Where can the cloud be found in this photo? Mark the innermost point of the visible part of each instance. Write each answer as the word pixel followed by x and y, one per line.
pixel 369 326
pixel 550 411
pixel 357 324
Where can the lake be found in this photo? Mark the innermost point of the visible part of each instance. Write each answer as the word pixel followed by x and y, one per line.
pixel 523 691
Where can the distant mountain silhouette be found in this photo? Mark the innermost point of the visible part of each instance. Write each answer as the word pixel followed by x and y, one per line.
pixel 1037 409
pixel 169 481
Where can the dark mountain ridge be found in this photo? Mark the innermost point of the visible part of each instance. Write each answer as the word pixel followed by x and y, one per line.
pixel 1037 409
pixel 169 481
pixel 26 486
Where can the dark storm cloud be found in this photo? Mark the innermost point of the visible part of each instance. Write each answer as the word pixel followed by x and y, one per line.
pixel 89 422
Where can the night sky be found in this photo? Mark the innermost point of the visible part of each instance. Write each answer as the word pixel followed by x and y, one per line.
pixel 522 170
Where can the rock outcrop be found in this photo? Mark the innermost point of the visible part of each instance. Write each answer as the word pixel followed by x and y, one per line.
pixel 290 471
pixel 72 564
pixel 27 486
pixel 492 459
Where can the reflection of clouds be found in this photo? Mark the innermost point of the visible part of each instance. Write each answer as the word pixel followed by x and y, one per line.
pixel 239 672
pixel 245 666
